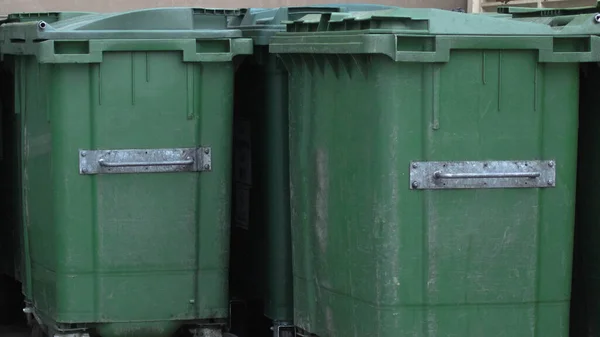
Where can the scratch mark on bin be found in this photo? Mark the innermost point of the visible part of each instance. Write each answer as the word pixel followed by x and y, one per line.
pixel 392 235
pixel 432 275
pixel 322 208
pixel 329 320
pixel 302 320
pixel 432 325
pixel 25 178
pixel 387 264
pixel 431 251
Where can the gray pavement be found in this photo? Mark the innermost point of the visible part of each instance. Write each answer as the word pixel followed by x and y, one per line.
pixel 13 331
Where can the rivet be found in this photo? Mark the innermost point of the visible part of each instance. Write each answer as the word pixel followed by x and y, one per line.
pixel 551 164
pixel 414 165
pixel 485 164
pixel 83 154
pixel 84 170
pixel 206 166
pixel 207 151
pixel 415 184
pixel 550 182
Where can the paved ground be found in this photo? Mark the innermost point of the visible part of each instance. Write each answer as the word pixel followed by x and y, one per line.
pixel 11 331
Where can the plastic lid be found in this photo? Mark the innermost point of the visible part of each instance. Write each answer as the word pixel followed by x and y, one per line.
pixel 429 36
pixel 564 21
pixel 522 12
pixel 49 17
pixel 200 34
pixel 158 23
pixel 262 23
pixel 416 21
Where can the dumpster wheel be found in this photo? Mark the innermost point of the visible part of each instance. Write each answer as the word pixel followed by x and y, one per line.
pixel 37 330
pixel 287 333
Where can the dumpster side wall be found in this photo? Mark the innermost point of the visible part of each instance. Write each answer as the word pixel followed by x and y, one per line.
pixel 371 256
pixel 125 247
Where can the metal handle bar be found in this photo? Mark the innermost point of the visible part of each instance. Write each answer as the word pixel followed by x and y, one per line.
pixel 440 175
pixel 185 162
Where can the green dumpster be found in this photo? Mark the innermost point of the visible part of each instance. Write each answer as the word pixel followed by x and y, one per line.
pixel 261 231
pixel 125 155
pixel 432 168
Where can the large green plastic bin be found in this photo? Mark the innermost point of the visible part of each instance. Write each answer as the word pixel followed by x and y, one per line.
pixel 125 154
pixel 433 167
pixel 261 233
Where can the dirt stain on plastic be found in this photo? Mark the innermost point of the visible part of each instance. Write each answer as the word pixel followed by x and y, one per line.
pixel 322 207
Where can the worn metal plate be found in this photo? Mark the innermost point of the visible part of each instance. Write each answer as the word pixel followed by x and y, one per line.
pixel 144 160
pixel 482 174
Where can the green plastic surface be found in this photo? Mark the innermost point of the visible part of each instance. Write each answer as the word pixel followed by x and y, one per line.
pixel 372 257
pixel 545 12
pixel 582 25
pixel 125 254
pixel 261 24
pixel 49 17
pixel 261 196
pixel 585 294
pixel 9 238
pixel 430 36
pixel 11 258
pixel 579 21
pixel 202 36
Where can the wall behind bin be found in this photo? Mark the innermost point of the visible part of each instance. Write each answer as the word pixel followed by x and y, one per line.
pixel 13 6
